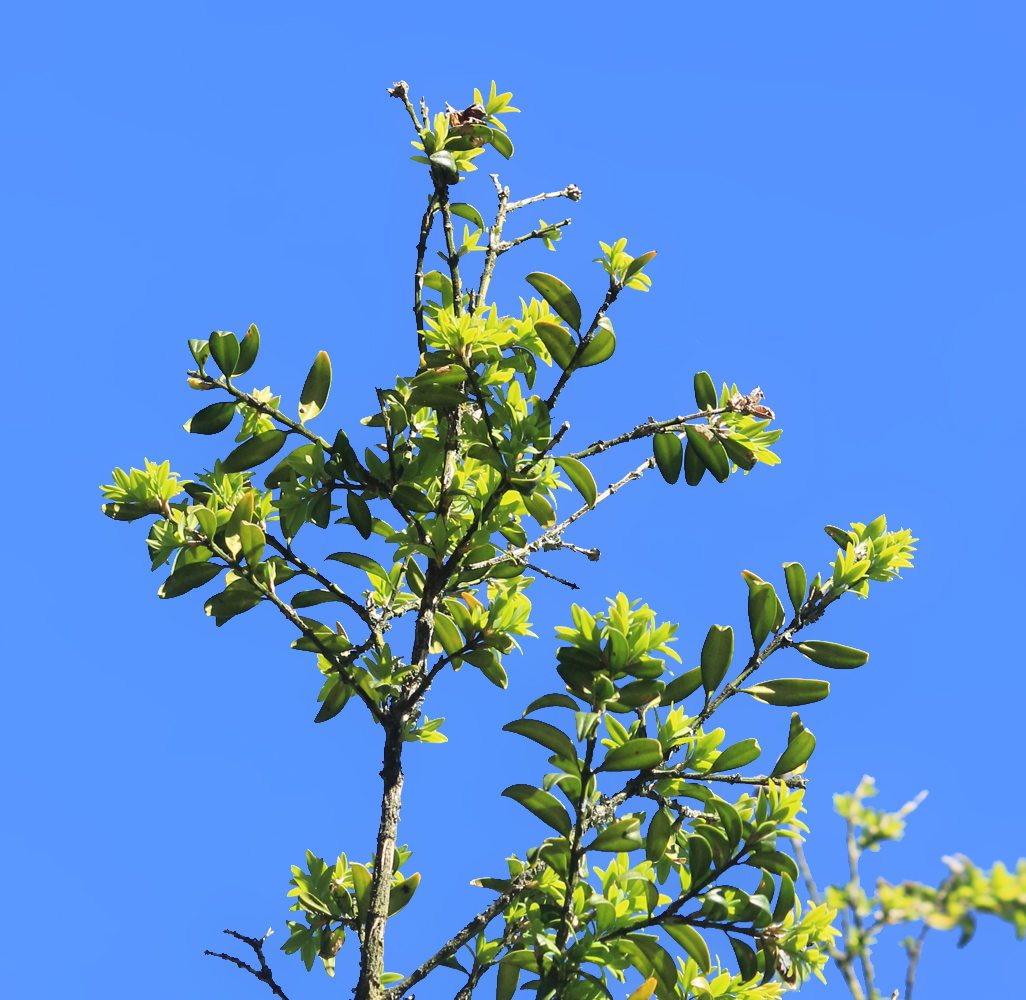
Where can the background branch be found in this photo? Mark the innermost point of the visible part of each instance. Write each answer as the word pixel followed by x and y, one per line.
pixel 264 972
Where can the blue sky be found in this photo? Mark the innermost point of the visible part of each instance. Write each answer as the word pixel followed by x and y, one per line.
pixel 836 196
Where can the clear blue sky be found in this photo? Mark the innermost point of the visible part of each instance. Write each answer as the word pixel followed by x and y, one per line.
pixel 837 199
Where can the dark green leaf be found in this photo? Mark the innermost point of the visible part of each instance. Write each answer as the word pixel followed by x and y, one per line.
pixel 840 536
pixel 705 392
pixel 580 475
pixel 699 856
pixel 501 144
pixel 541 510
pixel 365 563
pixel 717 652
pixel 545 806
pixel 560 344
pixel 411 499
pixel 747 958
pixel 402 893
pixel 338 696
pixel 211 419
pixel 623 835
pixel 789 691
pixel 690 940
pixel 551 701
pixel 443 167
pixel 637 264
pixel 438 397
pixel 558 295
pixel 248 350
pixel 739 453
pixel 360 513
pixel 773 861
pixel 541 732
pixel 736 755
pixel 310 598
pixel 682 687
pixel 833 654
pixel 798 751
pixel 762 610
pixel 794 573
pixel 669 456
pixel 730 819
pixel 255 451
pixel 224 349
pixel 601 346
pixel 236 598
pixel 785 901
pixel 709 450
pixel 637 755
pixel 694 467
pixel 315 388
pixel 506 982
pixel 659 831
pixel 187 578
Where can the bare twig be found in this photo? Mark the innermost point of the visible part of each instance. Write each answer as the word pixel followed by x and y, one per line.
pixel 552 576
pixel 471 930
pixel 915 952
pixel 571 191
pixel 644 430
pixel 264 972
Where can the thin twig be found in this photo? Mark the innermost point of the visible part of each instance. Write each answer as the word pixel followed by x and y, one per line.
pixel 264 972
pixel 475 926
pixel 535 234
pixel 644 430
pixel 915 951
pixel 571 191
pixel 552 576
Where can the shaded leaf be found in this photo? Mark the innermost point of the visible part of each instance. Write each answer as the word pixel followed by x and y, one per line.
pixel 545 806
pixel 315 388
pixel 637 755
pixel 580 475
pixel 833 654
pixel 798 751
pixel 257 450
pixel 789 691
pixel 558 295
pixel 669 456
pixel 188 577
pixel 211 419
pixel 541 732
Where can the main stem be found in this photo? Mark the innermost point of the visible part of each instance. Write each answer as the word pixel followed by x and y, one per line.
pixel 372 961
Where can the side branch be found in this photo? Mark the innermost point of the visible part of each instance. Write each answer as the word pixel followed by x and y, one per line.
pixel 534 234
pixel 571 191
pixel 471 930
pixel 647 429
pixel 264 972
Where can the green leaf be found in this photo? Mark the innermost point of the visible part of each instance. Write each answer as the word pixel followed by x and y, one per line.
pixel 360 514
pixel 235 599
pixel 624 835
pixel 559 297
pixel 637 264
pixel 211 419
pixel 775 862
pixel 798 751
pixel 224 349
pixel 794 573
pixel 488 663
pixel 747 959
pixel 315 388
pixel 682 687
pixel 560 344
pixel 690 940
pixel 736 755
pixel 545 806
pixel 705 392
pixel 363 562
pixel 637 755
pixel 438 397
pixel 833 654
pixel 840 536
pixel 362 880
pixel 552 701
pixel 740 453
pixel 709 450
pixel 541 732
pixel 257 450
pixel 669 456
pixel 310 598
pixel 248 350
pixel 501 144
pixel 762 610
pixel 789 691
pixel 717 652
pixel 507 981
pixel 694 467
pixel 443 167
pixel 601 346
pixel 187 578
pixel 580 475
pixel 468 212
pixel 402 893
pixel 411 499
pixel 541 510
pixel 785 901
pixel 658 836
pixel 337 699
pixel 699 856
